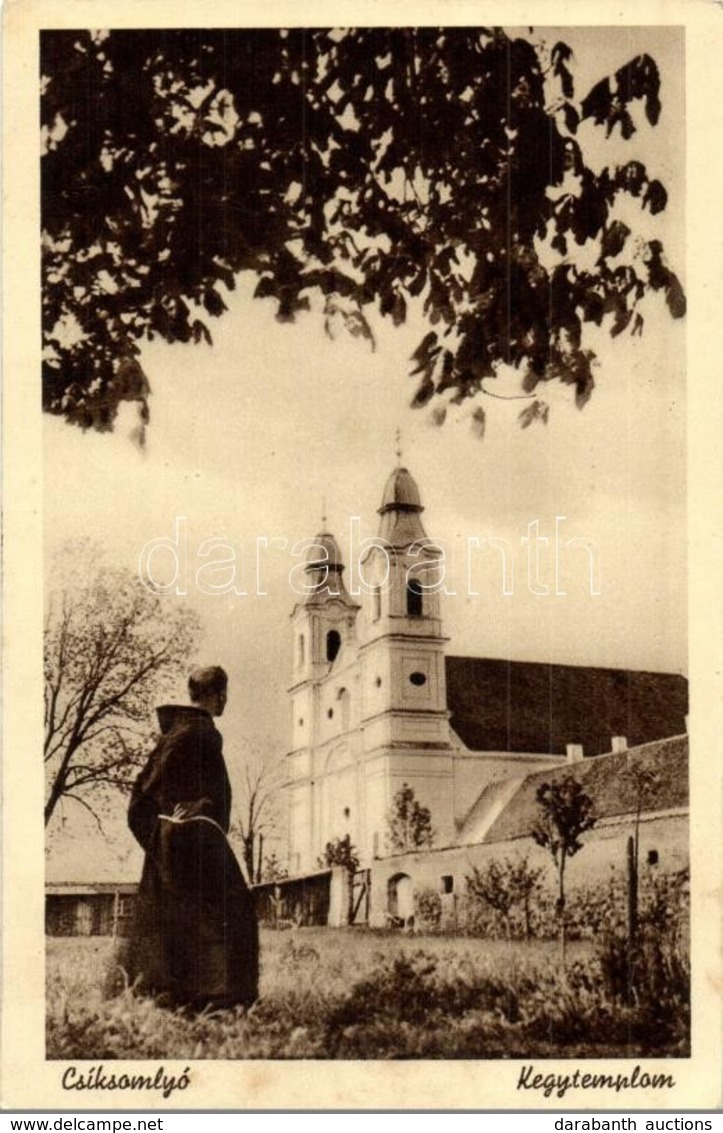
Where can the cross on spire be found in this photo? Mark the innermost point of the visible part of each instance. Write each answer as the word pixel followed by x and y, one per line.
pixel 323 513
pixel 398 439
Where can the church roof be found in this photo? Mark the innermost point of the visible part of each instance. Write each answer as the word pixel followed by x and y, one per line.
pixel 401 509
pixel 324 551
pixel 324 572
pixel 604 781
pixel 401 491
pixel 522 706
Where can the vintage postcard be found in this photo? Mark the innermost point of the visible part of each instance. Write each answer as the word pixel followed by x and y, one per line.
pixel 362 556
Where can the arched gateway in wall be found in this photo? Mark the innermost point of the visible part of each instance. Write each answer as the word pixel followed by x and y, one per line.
pixel 400 896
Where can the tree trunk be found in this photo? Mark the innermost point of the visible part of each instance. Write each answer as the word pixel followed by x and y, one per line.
pixel 561 912
pixel 249 856
pixel 260 859
pixel 632 919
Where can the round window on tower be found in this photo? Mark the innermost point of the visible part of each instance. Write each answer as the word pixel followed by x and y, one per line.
pixel 418 679
pixel 378 682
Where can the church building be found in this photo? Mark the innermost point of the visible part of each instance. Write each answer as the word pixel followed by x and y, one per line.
pixel 377 702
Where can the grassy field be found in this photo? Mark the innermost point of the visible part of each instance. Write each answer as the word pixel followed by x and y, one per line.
pixel 351 993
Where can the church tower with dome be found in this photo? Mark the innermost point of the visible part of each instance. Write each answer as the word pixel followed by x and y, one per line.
pixel 376 703
pixel 369 708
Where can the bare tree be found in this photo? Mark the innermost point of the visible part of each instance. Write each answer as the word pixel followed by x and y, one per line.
pixel 257 812
pixel 110 648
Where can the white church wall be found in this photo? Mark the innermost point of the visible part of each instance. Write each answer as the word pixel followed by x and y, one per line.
pixel 340 805
pixel 427 773
pixel 376 805
pixel 300 720
pixel 375 678
pixel 299 764
pixel 338 700
pixel 397 727
pixel 300 828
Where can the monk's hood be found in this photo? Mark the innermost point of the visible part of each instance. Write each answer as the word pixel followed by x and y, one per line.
pixel 172 715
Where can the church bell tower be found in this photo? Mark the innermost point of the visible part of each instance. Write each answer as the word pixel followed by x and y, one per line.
pixel 403 654
pixel 324 642
pixel 405 717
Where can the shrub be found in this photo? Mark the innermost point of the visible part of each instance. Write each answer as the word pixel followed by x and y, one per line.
pixel 652 971
pixel 427 909
pixel 596 909
pixel 506 893
pixel 342 993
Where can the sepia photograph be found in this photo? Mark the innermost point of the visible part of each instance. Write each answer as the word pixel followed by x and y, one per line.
pixel 362 405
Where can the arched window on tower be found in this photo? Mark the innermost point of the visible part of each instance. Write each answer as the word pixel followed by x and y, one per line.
pixel 414 598
pixel 301 650
pixel 333 644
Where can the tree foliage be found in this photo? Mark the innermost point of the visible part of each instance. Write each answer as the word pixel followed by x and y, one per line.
pixel 504 883
pixel 564 814
pixel 111 647
pixel 369 168
pixel 341 852
pixel 273 869
pixel 409 825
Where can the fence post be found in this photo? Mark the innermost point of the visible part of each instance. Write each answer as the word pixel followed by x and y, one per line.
pixel 632 891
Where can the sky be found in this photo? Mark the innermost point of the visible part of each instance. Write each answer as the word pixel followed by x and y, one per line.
pixel 254 437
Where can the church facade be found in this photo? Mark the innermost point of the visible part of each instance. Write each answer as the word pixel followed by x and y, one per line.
pixel 377 702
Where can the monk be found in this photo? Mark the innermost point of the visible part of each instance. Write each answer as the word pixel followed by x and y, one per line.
pixel 195 937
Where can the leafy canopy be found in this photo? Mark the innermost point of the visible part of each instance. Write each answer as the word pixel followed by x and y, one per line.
pixel 504 883
pixel 564 814
pixel 409 824
pixel 273 869
pixel 371 168
pixel 340 851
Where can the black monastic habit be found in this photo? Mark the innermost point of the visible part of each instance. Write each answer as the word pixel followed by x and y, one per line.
pixel 195 936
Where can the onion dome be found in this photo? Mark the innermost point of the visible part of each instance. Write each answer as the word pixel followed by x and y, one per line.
pixel 324 569
pixel 401 491
pixel 324 551
pixel 401 508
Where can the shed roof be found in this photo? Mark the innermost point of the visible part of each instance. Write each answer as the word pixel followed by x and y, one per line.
pixel 604 780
